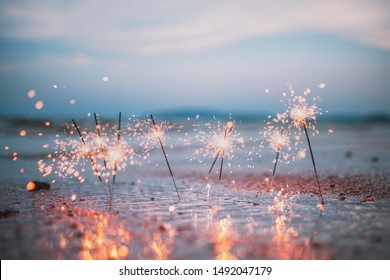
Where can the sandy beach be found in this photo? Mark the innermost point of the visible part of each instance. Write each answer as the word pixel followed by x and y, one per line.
pixel 213 220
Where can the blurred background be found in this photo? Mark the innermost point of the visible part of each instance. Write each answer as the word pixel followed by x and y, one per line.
pixel 67 58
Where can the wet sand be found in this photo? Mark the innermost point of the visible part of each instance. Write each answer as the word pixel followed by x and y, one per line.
pixel 240 218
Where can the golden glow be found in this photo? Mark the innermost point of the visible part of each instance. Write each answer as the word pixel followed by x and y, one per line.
pixel 224 241
pixel 222 142
pixel 114 154
pixel 278 140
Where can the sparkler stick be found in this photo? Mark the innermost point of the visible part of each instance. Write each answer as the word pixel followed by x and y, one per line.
pixel 101 143
pixel 102 148
pixel 215 160
pixel 276 160
pixel 165 155
pixel 90 157
pixel 220 169
pixel 118 143
pixel 312 159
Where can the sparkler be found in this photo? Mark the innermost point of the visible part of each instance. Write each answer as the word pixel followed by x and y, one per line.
pixel 102 148
pixel 158 135
pixel 90 157
pixel 222 145
pixel 299 113
pixel 118 143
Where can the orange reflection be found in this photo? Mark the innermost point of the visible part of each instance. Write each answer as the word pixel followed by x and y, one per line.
pixel 104 242
pixel 287 241
pixel 224 242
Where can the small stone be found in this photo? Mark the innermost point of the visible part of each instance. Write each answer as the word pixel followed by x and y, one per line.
pixel 374 159
pixel 35 186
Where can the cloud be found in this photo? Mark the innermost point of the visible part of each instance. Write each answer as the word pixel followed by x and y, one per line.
pixel 156 27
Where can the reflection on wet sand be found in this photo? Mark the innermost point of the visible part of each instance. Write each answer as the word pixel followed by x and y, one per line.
pixel 106 238
pixel 228 226
pixel 224 241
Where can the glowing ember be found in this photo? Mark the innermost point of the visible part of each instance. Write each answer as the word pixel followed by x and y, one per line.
pixel 47 123
pixel 23 133
pixel 279 139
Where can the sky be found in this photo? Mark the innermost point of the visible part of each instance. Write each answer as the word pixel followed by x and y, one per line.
pixel 231 56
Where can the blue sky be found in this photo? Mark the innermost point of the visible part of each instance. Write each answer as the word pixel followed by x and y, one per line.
pixel 221 55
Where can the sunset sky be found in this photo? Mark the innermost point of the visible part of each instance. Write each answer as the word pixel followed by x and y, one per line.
pixel 231 56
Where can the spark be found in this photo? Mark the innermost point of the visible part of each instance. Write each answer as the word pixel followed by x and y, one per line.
pixel 39 105
pixel 222 144
pixel 31 93
pixel 322 85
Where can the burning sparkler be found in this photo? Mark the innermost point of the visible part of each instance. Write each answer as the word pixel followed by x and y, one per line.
pixel 90 158
pixel 300 114
pixel 102 148
pixel 158 133
pixel 222 143
pixel 115 154
pixel 216 141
